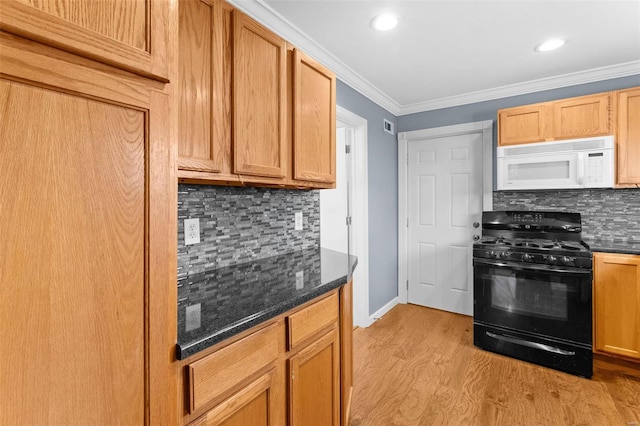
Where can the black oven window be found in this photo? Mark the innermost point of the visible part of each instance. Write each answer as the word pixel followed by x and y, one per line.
pixel 542 296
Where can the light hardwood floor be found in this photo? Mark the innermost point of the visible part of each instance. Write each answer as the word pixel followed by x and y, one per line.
pixel 418 366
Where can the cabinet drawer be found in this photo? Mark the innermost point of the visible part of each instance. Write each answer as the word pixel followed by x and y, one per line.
pixel 221 371
pixel 312 319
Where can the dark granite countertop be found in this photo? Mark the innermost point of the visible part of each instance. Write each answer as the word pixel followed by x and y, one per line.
pixel 614 245
pixel 235 298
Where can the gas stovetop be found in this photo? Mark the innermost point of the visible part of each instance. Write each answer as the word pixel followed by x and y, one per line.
pixel 531 250
pixel 550 238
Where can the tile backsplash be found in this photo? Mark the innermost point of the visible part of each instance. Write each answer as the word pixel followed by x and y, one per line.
pixel 239 224
pixel 606 213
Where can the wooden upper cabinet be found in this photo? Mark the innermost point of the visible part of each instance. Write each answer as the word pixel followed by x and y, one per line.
pixel 584 116
pixel 314 120
pixel 259 100
pixel 617 304
pixel 129 34
pixel 526 124
pixel 581 117
pixel 628 140
pixel 204 86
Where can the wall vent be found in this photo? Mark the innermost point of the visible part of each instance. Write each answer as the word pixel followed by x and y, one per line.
pixel 388 126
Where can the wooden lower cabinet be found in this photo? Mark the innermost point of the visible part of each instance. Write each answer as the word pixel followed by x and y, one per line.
pixel 261 379
pixel 617 305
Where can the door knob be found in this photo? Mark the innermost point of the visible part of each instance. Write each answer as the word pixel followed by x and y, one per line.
pixel 476 224
pixel 476 237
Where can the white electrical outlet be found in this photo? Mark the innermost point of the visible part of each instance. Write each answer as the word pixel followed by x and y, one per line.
pixel 299 280
pixel 298 221
pixel 191 231
pixel 192 314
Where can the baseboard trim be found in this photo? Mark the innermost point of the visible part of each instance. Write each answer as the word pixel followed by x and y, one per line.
pixel 617 365
pixel 382 311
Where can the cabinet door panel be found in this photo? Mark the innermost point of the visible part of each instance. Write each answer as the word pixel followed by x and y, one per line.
pixel 202 121
pixel 585 116
pixel 315 384
pixel 628 140
pixel 131 34
pixel 617 304
pixel 314 131
pixel 525 124
pixel 257 404
pixel 259 99
pixel 73 252
pixel 85 253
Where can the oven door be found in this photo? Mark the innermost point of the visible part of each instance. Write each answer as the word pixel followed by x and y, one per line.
pixel 539 299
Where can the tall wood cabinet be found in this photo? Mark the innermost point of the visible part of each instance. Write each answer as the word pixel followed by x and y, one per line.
pixel 87 218
pixel 628 140
pixel 617 304
pixel 253 109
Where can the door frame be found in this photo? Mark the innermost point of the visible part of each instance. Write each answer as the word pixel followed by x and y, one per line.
pixel 360 212
pixel 404 138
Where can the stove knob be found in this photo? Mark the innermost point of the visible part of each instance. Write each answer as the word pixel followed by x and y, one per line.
pixel 505 255
pixel 493 254
pixel 566 261
pixel 552 260
pixel 527 257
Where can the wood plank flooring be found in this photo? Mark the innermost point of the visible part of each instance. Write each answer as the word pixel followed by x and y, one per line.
pixel 418 366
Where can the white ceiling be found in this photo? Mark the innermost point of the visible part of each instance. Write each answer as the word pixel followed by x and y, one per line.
pixel 446 53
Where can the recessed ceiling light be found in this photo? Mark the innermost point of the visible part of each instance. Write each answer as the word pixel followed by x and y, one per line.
pixel 384 22
pixel 550 45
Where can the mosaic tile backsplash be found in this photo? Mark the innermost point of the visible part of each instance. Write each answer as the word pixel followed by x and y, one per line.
pixel 607 214
pixel 239 225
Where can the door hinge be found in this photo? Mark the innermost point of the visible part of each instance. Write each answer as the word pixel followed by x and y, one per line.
pixel 347 149
pixel 407 158
pixel 407 222
pixel 348 220
pixel 407 285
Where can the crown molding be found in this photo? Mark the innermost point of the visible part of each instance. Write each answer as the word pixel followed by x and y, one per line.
pixel 267 16
pixel 555 82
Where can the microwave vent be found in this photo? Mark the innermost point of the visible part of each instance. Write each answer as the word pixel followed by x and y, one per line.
pixel 549 147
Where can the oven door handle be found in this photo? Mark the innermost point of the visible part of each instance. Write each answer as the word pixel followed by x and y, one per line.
pixel 531 267
pixel 530 344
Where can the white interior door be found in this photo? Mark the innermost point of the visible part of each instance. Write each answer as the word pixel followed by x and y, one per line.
pixel 333 202
pixel 444 200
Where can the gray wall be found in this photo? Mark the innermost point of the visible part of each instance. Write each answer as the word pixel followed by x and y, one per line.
pixel 383 196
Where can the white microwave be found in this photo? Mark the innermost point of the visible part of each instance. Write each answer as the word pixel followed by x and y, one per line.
pixel 577 163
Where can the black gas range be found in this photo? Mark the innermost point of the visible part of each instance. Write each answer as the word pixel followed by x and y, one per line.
pixel 532 289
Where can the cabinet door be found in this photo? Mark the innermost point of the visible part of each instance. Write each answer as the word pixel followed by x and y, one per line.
pixel 257 404
pixel 617 304
pixel 526 124
pixel 584 116
pixel 204 87
pixel 315 383
pixel 79 264
pixel 259 99
pixel 314 120
pixel 629 136
pixel 130 34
